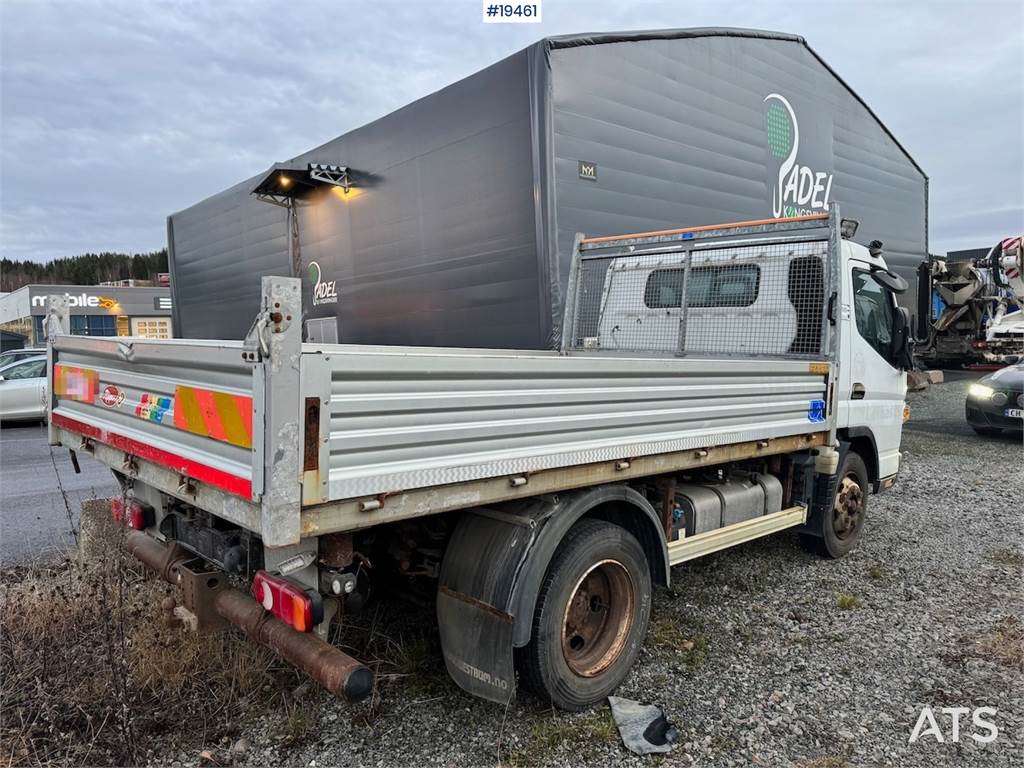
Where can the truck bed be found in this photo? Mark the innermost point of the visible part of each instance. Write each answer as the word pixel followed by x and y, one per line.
pixel 380 421
pixel 293 439
pixel 405 417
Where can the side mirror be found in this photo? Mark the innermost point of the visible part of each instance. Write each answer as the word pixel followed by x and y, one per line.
pixel 901 352
pixel 889 280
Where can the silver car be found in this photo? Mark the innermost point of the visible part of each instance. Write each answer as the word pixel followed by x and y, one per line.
pixel 14 355
pixel 23 389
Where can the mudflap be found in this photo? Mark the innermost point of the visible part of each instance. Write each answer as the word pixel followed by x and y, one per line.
pixel 823 496
pixel 495 564
pixel 474 600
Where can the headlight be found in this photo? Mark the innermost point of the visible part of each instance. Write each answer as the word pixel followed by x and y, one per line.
pixel 979 392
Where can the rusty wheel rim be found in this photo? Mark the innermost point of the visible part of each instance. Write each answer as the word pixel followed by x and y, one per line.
pixel 597 618
pixel 849 508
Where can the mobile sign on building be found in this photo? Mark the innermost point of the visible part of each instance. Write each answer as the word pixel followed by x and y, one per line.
pixel 94 311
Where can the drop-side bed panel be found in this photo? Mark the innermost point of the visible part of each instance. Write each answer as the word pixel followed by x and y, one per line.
pixel 185 406
pixel 404 418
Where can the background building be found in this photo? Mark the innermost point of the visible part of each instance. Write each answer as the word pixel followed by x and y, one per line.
pixel 451 221
pixel 95 310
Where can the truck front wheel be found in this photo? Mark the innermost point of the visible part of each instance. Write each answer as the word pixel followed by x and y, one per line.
pixel 591 616
pixel 841 528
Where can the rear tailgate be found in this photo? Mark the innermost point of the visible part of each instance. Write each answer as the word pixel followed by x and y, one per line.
pixel 185 407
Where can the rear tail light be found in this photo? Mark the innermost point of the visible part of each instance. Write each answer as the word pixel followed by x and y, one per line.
pixel 979 344
pixel 302 609
pixel 133 513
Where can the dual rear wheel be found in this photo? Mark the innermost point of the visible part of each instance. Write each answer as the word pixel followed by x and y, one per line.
pixel 591 616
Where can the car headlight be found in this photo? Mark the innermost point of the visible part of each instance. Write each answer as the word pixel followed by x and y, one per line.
pixel 979 392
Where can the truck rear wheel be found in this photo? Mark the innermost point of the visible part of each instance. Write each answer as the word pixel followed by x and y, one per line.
pixel 591 616
pixel 842 527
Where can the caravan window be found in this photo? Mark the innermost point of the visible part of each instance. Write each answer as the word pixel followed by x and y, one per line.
pixel 726 285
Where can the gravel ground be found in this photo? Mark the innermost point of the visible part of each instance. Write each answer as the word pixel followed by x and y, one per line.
pixel 761 655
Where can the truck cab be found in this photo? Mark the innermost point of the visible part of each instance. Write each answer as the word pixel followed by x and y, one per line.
pixel 735 294
pixel 872 377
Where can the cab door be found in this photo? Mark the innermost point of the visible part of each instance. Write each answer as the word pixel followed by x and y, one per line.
pixel 872 386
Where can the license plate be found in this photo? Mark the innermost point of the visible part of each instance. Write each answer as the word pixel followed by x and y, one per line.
pixel 1014 413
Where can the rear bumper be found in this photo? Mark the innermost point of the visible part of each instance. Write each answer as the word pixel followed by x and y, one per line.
pixel 213 602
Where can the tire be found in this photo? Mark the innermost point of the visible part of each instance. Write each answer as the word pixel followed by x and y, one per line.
pixel 841 530
pixel 582 649
pixel 986 431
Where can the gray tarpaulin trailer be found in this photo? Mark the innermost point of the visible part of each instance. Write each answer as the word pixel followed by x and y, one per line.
pixel 450 222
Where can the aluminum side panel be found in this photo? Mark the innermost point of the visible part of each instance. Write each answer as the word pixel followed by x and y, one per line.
pixel 134 403
pixel 411 418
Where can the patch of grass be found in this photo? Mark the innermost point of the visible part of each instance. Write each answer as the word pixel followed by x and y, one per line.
pixel 1003 644
pixel 90 673
pixel 876 572
pixel 660 679
pixel 585 733
pixel 1007 557
pixel 301 716
pixel 848 602
pixel 417 661
pixel 665 633
pixel 723 742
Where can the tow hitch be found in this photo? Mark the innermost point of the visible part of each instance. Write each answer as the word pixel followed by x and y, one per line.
pixel 208 596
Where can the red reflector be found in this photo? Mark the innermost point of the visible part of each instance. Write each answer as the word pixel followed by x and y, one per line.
pixel 140 516
pixel 300 608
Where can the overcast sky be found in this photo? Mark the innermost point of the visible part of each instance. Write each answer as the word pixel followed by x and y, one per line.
pixel 115 114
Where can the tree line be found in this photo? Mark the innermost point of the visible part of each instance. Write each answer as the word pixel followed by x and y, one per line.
pixel 86 269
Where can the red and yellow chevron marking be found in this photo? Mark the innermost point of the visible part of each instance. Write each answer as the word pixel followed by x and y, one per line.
pixel 75 383
pixel 218 415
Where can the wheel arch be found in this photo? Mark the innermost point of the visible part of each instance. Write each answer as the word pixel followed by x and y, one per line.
pixel 862 442
pixel 618 504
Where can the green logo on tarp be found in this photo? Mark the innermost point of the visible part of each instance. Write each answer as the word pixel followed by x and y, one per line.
pixel 780 136
pixel 324 291
pixel 796 189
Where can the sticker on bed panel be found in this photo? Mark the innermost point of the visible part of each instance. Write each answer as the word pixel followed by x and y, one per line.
pixel 153 407
pixel 111 397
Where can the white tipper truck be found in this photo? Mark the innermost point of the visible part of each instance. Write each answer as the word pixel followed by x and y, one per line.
pixel 714 385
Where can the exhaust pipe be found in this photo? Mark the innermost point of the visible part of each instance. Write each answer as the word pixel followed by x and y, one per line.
pixel 336 671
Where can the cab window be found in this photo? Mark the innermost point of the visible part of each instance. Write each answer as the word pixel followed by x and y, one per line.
pixel 874 312
pixel 33 369
pixel 726 285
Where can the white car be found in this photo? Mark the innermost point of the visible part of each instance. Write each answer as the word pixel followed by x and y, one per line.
pixel 14 355
pixel 23 389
